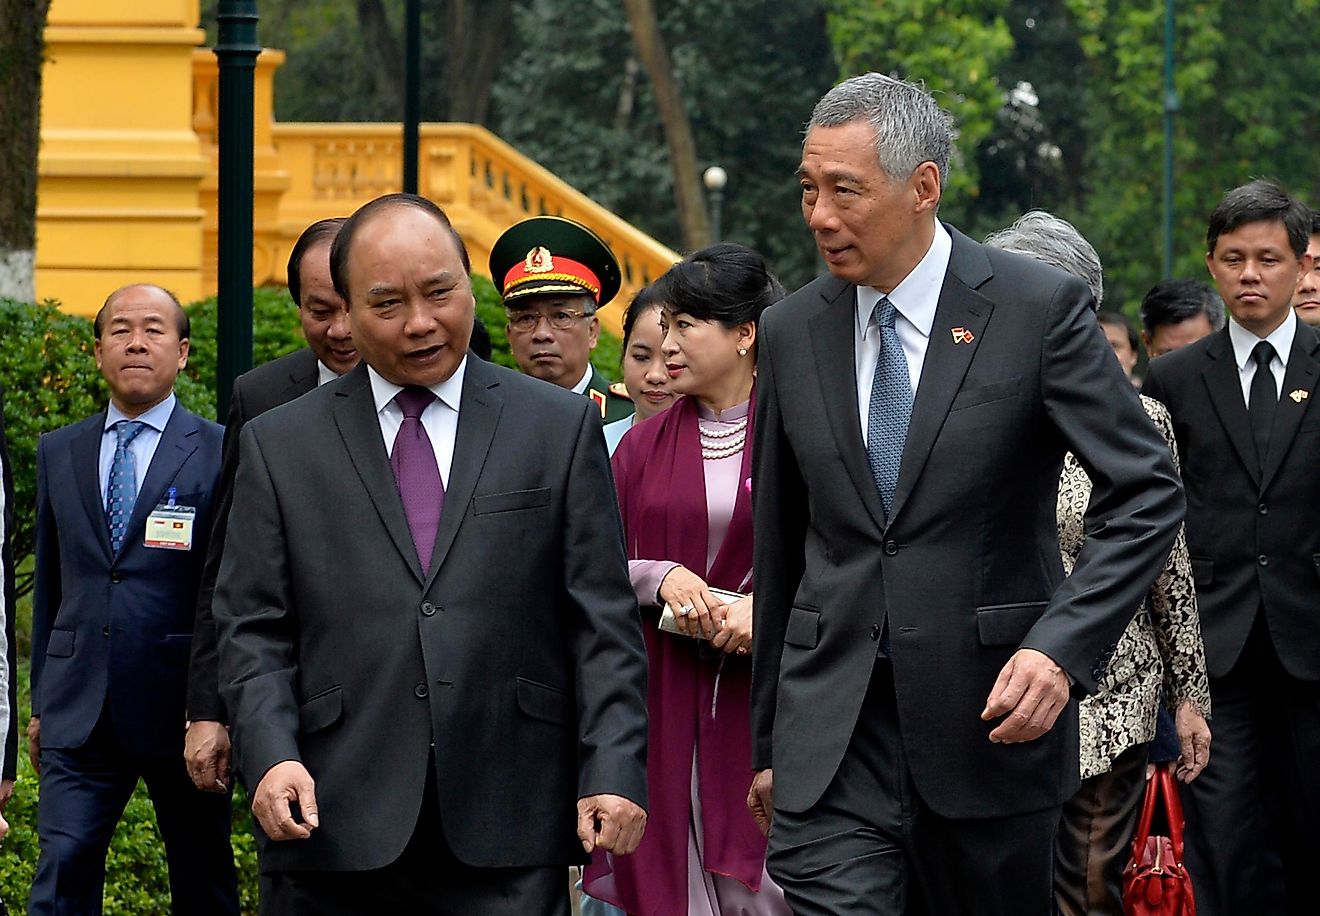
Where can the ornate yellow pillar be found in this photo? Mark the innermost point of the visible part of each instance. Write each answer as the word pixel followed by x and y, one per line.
pixel 120 165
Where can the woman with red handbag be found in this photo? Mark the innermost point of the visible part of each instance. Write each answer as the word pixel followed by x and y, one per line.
pixel 1161 650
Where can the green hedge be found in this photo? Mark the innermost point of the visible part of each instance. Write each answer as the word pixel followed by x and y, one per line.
pixel 50 380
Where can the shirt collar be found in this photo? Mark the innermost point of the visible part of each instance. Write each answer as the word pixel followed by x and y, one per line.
pixel 324 374
pixel 450 391
pixel 156 417
pixel 917 295
pixel 581 387
pixel 1281 338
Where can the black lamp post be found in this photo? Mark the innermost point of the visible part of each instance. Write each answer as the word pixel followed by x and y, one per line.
pixel 412 91
pixel 236 50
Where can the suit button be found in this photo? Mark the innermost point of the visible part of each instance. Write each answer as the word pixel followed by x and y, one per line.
pixel 105 630
pixel 1263 509
pixel 420 691
pixel 1263 560
pixel 428 609
pixel 116 578
pixel 891 548
pixel 875 631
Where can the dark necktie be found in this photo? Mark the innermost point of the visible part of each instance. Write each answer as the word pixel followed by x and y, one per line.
pixel 121 490
pixel 416 472
pixel 891 406
pixel 1263 402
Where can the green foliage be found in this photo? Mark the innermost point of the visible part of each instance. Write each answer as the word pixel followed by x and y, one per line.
pixel 954 46
pixel 49 377
pixel 585 110
pixel 137 877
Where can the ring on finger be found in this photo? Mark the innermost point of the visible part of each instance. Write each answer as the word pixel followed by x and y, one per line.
pixel 686 609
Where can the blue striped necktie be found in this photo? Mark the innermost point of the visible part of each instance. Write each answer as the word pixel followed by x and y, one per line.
pixel 121 493
pixel 891 406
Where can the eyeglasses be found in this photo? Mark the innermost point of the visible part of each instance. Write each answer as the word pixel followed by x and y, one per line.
pixel 560 320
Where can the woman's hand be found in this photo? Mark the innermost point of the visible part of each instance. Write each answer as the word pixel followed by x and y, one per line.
pixel 695 608
pixel 735 635
pixel 1193 741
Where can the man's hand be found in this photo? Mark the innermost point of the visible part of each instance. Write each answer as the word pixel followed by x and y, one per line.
pixel 611 823
pixel 34 742
pixel 735 635
pixel 285 783
pixel 761 799
pixel 4 827
pixel 6 792
pixel 1033 690
pixel 206 752
pixel 1193 741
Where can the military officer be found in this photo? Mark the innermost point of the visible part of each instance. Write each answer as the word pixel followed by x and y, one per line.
pixel 554 274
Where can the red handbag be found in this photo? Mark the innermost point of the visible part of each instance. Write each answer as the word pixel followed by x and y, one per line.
pixel 1155 881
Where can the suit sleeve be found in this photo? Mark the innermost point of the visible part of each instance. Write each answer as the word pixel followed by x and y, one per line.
pixel 780 520
pixel 1136 500
pixel 47 591
pixel 605 628
pixel 204 702
pixel 255 621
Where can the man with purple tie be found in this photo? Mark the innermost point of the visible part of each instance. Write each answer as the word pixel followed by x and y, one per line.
pixel 409 604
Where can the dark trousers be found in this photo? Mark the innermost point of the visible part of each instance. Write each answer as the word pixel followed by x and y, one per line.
pixel 426 880
pixel 83 794
pixel 871 847
pixel 1252 814
pixel 1095 837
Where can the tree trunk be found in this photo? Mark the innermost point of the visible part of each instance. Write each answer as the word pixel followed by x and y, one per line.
pixel 384 49
pixel 478 32
pixel 692 216
pixel 21 46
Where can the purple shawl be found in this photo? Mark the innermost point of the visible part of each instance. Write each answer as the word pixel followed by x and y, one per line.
pixel 695 701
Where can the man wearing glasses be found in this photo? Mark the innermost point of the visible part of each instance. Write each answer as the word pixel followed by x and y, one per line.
pixel 554 274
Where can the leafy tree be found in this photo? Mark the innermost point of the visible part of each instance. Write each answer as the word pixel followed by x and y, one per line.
pixel 21 45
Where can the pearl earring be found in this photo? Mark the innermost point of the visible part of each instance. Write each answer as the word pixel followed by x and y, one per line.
pixel 742 351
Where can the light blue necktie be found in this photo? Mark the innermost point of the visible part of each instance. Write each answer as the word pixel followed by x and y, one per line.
pixel 891 406
pixel 121 493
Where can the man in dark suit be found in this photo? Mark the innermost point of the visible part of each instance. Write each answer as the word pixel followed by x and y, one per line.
pixel 123 514
pixel 1241 402
pixel 432 658
pixel 913 410
pixel 330 353
pixel 9 726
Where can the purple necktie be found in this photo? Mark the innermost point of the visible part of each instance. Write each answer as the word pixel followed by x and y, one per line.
pixel 416 472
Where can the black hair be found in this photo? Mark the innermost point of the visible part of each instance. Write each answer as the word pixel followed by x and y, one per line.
pixel 1261 201
pixel 727 282
pixel 1115 320
pixel 1315 222
pixel 182 323
pixel 320 231
pixel 1175 301
pixel 645 300
pixel 343 242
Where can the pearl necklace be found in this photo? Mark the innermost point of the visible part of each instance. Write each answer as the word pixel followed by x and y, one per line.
pixel 719 443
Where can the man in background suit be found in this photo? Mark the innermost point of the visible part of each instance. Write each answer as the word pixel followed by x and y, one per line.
pixel 123 513
pixel 407 624
pixel 1241 402
pixel 8 722
pixel 913 410
pixel 330 353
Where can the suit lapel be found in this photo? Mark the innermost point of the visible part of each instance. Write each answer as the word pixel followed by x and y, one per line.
pixel 833 338
pixel 1303 369
pixel 177 443
pixel 478 417
pixel 303 377
pixel 1224 385
pixel 86 458
pixel 359 428
pixel 946 362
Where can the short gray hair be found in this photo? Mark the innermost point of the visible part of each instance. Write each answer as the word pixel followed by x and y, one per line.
pixel 910 127
pixel 1046 237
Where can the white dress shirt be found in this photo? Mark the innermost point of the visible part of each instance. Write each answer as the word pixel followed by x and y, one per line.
pixel 1245 341
pixel 324 374
pixel 143 447
pixel 581 387
pixel 439 419
pixel 914 300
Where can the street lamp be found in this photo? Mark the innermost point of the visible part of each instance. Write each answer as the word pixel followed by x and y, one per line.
pixel 715 178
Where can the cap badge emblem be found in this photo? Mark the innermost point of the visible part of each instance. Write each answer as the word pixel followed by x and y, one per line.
pixel 539 261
